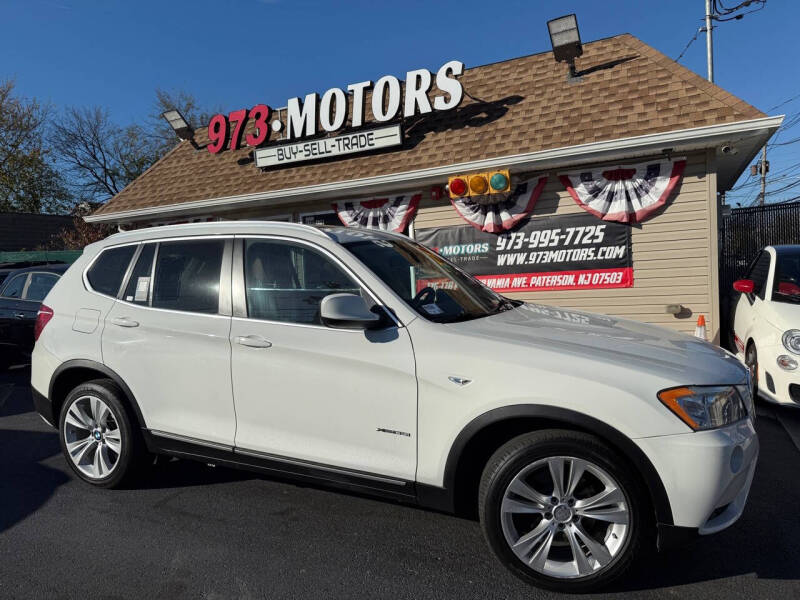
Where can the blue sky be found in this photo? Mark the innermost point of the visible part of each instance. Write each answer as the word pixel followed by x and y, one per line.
pixel 234 53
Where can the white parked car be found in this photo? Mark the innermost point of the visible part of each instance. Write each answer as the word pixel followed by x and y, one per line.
pixel 363 360
pixel 766 323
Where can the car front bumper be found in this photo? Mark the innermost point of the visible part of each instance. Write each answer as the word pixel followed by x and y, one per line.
pixel 707 474
pixel 774 381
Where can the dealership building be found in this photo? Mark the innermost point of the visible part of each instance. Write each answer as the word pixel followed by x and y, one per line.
pixel 594 187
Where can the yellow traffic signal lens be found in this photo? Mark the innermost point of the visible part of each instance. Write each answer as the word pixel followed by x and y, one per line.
pixel 478 184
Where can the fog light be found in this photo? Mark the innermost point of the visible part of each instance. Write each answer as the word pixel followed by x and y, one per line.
pixel 787 362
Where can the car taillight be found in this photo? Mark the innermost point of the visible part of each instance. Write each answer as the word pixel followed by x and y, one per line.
pixel 42 318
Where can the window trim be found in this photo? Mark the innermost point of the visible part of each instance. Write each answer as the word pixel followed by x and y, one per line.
pixel 224 286
pixel 7 281
pixel 85 273
pixel 239 286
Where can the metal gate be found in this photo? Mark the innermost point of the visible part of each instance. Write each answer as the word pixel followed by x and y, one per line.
pixel 742 234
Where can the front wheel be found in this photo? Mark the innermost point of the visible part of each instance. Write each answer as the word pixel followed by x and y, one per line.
pixel 98 438
pixel 561 510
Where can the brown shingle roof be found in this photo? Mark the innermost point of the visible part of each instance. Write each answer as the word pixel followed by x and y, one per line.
pixel 628 89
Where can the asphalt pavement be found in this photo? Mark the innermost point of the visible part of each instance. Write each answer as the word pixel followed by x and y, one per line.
pixel 191 531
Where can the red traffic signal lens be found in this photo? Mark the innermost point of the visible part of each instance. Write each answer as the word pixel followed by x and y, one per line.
pixel 458 187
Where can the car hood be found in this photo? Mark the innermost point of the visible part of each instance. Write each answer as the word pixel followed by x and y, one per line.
pixel 783 315
pixel 666 353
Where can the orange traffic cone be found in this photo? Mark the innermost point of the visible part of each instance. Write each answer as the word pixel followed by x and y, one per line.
pixel 700 330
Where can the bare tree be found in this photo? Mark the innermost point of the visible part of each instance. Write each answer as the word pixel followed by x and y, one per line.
pixel 28 180
pixel 101 157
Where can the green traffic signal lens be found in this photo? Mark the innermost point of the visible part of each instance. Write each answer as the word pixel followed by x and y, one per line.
pixel 498 181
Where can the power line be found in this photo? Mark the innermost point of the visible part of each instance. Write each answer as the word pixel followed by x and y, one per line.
pixel 698 32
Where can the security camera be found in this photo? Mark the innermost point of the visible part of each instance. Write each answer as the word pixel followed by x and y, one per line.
pixel 727 150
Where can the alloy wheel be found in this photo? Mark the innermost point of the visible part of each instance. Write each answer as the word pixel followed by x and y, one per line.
pixel 93 437
pixel 565 517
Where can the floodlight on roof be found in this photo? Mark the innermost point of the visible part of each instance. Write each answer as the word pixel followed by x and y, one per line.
pixel 566 40
pixel 179 125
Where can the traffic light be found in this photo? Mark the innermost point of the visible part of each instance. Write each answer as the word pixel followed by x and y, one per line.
pixel 479 184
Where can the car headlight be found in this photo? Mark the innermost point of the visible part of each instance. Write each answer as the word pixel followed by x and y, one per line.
pixel 707 407
pixel 791 340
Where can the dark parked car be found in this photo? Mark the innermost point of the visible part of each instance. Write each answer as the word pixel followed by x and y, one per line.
pixel 21 293
pixel 6 268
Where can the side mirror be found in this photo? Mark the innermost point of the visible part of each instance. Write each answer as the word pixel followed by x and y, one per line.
pixel 347 311
pixel 746 286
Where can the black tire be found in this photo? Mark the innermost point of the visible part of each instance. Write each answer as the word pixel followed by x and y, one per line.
pixel 751 360
pixel 131 443
pixel 521 452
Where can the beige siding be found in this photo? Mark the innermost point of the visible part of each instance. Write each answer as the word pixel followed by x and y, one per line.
pixel 672 254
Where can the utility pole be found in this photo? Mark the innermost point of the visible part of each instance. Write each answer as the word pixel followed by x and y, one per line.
pixel 709 42
pixel 764 167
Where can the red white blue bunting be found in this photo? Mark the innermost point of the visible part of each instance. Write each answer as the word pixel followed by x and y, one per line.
pixel 626 193
pixel 504 214
pixel 387 214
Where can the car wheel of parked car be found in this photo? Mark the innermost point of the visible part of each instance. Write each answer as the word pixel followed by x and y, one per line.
pixel 562 510
pixel 97 436
pixel 751 360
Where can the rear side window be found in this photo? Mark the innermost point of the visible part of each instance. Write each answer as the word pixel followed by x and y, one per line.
pixel 138 289
pixel 15 285
pixel 187 276
pixel 40 284
pixel 105 275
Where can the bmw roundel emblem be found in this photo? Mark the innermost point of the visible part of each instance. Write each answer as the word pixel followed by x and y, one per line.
pixel 97 435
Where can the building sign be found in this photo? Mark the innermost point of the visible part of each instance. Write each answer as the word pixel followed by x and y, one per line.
pixel 360 141
pixel 572 252
pixel 306 117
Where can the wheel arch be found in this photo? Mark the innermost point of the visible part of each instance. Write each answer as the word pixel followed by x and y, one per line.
pixel 484 434
pixel 74 372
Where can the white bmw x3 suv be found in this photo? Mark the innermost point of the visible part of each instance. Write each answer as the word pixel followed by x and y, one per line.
pixel 363 360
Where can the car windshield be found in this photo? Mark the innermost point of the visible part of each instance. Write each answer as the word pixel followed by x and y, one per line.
pixel 433 287
pixel 787 277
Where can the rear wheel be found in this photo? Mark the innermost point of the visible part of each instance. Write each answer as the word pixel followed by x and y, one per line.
pixel 97 435
pixel 751 360
pixel 561 510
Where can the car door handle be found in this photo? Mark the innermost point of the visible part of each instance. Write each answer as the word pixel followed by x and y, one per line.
pixel 125 322
pixel 253 341
pixel 19 315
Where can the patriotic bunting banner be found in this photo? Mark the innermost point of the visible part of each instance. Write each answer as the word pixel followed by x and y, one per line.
pixel 387 214
pixel 626 193
pixel 502 215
